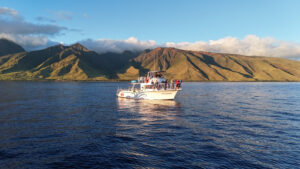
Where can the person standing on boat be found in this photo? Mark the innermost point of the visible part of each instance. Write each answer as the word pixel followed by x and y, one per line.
pixel 177 84
pixel 166 84
pixel 156 83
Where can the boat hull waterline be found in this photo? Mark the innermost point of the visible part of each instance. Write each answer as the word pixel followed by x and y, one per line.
pixel 150 95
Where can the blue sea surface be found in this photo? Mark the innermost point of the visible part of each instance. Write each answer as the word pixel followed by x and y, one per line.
pixel 208 125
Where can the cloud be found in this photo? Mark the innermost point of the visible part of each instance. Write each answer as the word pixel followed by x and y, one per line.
pixel 9 12
pixel 110 45
pixel 26 28
pixel 62 15
pixel 45 19
pixel 31 36
pixel 35 36
pixel 251 45
pixel 15 24
pixel 29 43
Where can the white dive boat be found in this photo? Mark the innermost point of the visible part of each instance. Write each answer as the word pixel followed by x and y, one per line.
pixel 153 86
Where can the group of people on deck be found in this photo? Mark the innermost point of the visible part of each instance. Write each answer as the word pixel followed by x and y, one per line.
pixel 156 84
pixel 157 81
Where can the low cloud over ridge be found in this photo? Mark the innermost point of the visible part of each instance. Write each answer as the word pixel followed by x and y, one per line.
pixel 110 45
pixel 251 45
pixel 29 42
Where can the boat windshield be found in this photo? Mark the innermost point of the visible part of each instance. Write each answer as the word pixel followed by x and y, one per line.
pixel 157 74
pixel 135 87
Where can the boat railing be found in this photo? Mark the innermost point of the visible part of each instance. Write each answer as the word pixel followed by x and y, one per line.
pixel 158 84
pixel 161 86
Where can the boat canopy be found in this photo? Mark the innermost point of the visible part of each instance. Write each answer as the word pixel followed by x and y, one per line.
pixel 152 74
pixel 156 71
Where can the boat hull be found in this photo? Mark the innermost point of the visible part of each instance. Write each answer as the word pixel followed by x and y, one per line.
pixel 151 95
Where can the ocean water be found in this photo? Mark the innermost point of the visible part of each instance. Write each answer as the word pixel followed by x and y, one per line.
pixel 209 125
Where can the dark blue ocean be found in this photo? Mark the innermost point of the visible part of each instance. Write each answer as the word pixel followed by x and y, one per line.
pixel 209 125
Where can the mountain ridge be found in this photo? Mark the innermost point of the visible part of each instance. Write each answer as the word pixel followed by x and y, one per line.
pixel 209 66
pixel 9 47
pixel 76 62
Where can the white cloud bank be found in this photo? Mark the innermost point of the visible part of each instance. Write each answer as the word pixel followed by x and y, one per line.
pixel 29 42
pixel 110 45
pixel 251 45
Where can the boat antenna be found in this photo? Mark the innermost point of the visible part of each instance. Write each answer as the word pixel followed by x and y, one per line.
pixel 154 66
pixel 164 64
pixel 158 64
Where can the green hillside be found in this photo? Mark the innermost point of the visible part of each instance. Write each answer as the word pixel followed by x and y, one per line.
pixel 207 66
pixel 63 63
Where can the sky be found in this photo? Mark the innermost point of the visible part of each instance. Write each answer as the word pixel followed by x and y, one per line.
pixel 249 27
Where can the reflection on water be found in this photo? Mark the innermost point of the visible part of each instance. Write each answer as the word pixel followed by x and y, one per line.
pixel 144 114
pixel 149 110
pixel 209 125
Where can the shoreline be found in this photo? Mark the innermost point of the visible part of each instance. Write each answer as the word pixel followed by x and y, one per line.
pixel 112 80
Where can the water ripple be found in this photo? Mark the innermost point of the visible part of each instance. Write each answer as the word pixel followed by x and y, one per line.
pixel 209 125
